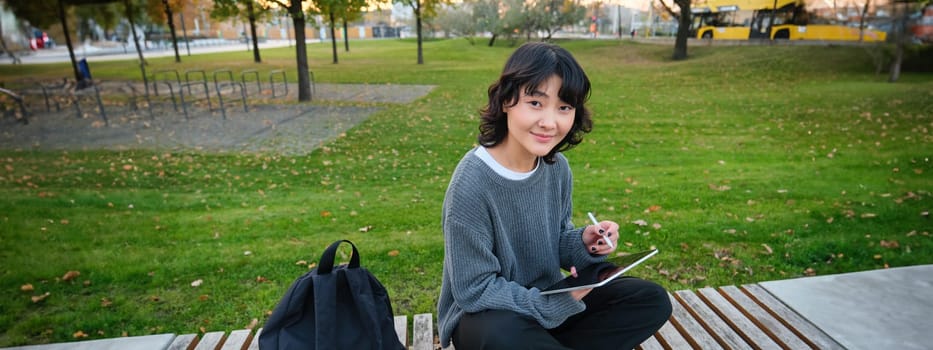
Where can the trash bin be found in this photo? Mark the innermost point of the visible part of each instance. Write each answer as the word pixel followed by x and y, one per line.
pixel 84 74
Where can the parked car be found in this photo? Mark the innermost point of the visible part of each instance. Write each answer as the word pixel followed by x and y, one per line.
pixel 40 40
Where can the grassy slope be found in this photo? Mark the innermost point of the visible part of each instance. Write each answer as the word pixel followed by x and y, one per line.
pixel 746 164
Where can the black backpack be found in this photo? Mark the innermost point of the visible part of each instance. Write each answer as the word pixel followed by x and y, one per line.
pixel 333 308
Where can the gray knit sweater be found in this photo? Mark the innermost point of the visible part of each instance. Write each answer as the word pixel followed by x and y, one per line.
pixel 505 240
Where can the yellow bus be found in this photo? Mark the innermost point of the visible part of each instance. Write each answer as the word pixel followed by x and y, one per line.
pixel 751 19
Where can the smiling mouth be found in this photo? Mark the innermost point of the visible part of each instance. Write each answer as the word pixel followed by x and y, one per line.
pixel 543 137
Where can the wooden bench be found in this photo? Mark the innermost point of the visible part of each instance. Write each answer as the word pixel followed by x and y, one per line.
pixel 746 317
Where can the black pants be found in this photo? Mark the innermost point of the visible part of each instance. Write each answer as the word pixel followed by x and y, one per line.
pixel 619 315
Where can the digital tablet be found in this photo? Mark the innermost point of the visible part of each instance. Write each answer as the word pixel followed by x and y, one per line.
pixel 599 274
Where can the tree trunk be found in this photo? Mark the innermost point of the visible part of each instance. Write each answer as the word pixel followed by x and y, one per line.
pixel 861 22
pixel 333 37
pixel 301 52
pixel 900 28
pixel 492 40
pixel 418 25
pixel 252 29
pixel 683 30
pixel 71 50
pixel 171 28
pixel 346 36
pixel 139 50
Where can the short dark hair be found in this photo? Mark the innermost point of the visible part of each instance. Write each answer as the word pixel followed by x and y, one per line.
pixel 529 67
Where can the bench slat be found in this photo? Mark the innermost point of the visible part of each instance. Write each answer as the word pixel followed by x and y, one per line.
pixel 765 320
pixel 716 326
pixel 422 333
pixel 692 331
pixel 745 328
pixel 211 340
pixel 671 338
pixel 401 329
pixel 796 323
pixel 237 339
pixel 184 342
pixel 254 344
pixel 651 344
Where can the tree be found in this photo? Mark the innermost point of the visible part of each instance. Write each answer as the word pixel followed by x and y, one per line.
pixel 3 45
pixel 297 13
pixel 171 24
pixel 37 13
pixel 458 21
pixel 331 9
pixel 352 12
pixel 683 27
pixel 421 9
pixel 901 37
pixel 486 16
pixel 506 18
pixel 247 11
pixel 104 15
pixel 549 16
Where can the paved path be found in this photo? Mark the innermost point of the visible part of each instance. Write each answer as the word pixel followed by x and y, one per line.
pixel 880 309
pixel 267 127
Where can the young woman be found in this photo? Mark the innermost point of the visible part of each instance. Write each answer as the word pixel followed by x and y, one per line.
pixel 507 229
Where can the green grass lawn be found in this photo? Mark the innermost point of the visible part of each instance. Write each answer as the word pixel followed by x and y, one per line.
pixel 741 164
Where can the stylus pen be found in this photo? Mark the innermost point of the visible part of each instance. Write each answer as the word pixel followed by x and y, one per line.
pixel 599 229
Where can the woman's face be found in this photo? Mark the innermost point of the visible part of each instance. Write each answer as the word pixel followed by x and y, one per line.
pixel 538 122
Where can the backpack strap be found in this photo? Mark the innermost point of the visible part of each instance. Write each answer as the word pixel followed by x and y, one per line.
pixel 326 264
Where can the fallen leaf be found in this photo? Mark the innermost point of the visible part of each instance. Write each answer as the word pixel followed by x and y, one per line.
pixel 252 324
pixel 104 302
pixel 79 334
pixel 889 244
pixel 203 297
pixel 394 253
pixel 768 249
pixel 70 275
pixel 261 279
pixel 366 228
pixel 654 208
pixel 197 283
pixel 38 298
pixel 640 222
pixel 719 188
pixel 26 287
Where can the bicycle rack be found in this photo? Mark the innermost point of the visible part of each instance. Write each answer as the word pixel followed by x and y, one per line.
pixel 272 75
pixel 229 83
pixel 255 74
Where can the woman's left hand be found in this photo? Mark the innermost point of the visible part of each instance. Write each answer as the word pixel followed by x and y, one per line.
pixel 594 238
